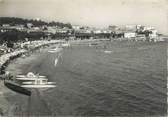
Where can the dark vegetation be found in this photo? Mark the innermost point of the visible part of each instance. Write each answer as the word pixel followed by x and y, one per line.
pixel 12 35
pixel 13 21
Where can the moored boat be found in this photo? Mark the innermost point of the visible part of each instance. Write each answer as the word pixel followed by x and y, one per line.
pixel 16 87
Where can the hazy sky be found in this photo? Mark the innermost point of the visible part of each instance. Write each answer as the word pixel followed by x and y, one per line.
pixel 98 13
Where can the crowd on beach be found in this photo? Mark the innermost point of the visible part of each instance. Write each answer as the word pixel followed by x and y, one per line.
pixel 24 47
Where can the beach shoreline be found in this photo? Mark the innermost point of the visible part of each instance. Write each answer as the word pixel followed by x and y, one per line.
pixel 5 60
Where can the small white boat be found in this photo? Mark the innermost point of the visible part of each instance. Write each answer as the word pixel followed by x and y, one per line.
pixel 23 76
pixel 55 62
pixel 38 86
pixel 39 83
pixel 30 76
pixel 107 52
pixel 55 50
pixel 93 44
pixel 32 83
pixel 66 44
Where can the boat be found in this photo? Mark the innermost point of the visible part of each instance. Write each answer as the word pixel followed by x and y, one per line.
pixel 38 86
pixel 55 62
pixel 28 79
pixel 34 81
pixel 29 76
pixel 38 83
pixel 55 50
pixel 16 87
pixel 30 83
pixel 93 44
pixel 107 52
pixel 66 44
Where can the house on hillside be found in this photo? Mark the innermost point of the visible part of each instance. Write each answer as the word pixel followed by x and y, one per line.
pixel 29 25
pixel 76 27
pixel 6 25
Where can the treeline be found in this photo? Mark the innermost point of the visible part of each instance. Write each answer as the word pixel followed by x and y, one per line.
pixel 15 36
pixel 13 21
pixel 12 36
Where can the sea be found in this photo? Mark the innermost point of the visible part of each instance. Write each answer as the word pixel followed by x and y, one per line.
pixel 120 79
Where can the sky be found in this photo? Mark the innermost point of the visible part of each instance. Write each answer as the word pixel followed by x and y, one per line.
pixel 98 13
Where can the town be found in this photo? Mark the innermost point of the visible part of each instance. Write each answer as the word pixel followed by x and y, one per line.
pixel 14 31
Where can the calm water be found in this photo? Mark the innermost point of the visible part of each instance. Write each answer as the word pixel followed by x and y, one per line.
pixel 129 81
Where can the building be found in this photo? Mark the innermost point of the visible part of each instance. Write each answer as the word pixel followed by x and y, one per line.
pixel 130 27
pixel 149 28
pixel 6 25
pixel 129 35
pixel 113 28
pixel 140 37
pixel 97 31
pixel 76 27
pixel 153 34
pixel 29 25
pixel 18 27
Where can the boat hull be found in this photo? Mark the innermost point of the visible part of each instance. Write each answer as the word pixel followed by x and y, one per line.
pixel 17 88
pixel 38 86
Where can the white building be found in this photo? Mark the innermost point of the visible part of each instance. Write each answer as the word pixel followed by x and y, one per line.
pixel 138 27
pixel 130 27
pixel 36 28
pixel 106 31
pixel 153 34
pixel 149 28
pixel 17 27
pixel 76 27
pixel 6 25
pixel 97 31
pixel 29 25
pixel 51 29
pixel 129 35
